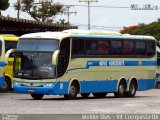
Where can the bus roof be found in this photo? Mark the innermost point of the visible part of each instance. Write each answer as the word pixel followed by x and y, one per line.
pixel 84 33
pixel 9 37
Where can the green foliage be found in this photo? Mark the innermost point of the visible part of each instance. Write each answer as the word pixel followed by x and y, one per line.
pixel 4 4
pixel 63 22
pixel 152 29
pixel 44 11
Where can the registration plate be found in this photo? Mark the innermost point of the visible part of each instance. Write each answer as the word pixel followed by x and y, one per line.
pixel 31 90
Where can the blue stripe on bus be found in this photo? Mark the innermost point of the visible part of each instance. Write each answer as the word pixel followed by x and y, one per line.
pixel 2 64
pixel 114 37
pixel 61 88
pixel 116 63
pixel 2 81
pixel 110 86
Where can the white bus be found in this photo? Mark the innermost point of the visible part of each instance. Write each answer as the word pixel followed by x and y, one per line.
pixel 82 62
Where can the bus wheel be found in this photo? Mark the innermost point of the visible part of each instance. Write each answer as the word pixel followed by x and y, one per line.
pixel 37 96
pixel 85 95
pixel 132 89
pixel 158 85
pixel 121 89
pixel 99 95
pixel 73 91
pixel 7 86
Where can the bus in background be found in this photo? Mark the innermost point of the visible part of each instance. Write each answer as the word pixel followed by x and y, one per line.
pixel 82 62
pixel 10 42
pixel 158 67
pixel 2 62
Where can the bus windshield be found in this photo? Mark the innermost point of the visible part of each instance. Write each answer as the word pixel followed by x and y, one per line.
pixel 30 44
pixel 34 65
pixel 10 45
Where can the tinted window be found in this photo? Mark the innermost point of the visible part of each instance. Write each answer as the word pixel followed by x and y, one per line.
pixel 117 47
pixel 78 48
pixel 140 48
pixel 10 45
pixel 38 44
pixel 0 47
pixel 91 47
pixel 128 48
pixel 103 47
pixel 150 48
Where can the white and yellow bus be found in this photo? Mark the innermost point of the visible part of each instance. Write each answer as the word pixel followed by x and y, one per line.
pixel 10 42
pixel 2 62
pixel 82 62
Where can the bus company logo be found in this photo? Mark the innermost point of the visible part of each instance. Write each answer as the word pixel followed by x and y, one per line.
pixel 144 7
pixel 140 63
pixel 111 63
pixel 116 63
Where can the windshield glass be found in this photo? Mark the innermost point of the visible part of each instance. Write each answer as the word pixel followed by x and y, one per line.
pixel 34 65
pixel 10 45
pixel 29 44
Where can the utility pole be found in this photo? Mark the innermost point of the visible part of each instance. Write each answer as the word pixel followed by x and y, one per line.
pixel 88 1
pixel 68 12
pixel 18 10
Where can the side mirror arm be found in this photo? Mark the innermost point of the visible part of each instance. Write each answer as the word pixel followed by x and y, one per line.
pixel 8 54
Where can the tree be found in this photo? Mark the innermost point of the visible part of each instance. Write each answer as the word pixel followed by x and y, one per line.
pixel 4 4
pixel 152 29
pixel 42 11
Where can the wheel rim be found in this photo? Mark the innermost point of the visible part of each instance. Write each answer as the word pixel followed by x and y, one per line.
pixel 121 89
pixel 159 85
pixel 5 86
pixel 72 90
pixel 132 89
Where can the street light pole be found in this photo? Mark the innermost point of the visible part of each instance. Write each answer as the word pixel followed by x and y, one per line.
pixel 88 1
pixel 89 25
pixel 19 6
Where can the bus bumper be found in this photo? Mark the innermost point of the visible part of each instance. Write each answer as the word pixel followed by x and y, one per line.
pixel 59 88
pixel 2 81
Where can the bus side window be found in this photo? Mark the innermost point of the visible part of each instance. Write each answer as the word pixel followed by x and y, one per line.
pixel 117 47
pixel 128 48
pixel 78 48
pixel 0 48
pixel 140 48
pixel 150 48
pixel 63 59
pixel 103 47
pixel 91 47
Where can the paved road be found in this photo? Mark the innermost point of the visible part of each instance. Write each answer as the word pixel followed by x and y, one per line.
pixel 145 102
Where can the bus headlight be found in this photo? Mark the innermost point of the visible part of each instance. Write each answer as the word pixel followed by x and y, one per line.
pixel 48 85
pixel 17 83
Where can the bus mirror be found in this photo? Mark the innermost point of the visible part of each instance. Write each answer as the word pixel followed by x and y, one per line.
pixel 8 54
pixel 55 57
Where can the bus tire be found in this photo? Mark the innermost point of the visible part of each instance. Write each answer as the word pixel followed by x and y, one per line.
pixel 99 95
pixel 158 85
pixel 85 95
pixel 132 89
pixel 37 96
pixel 121 89
pixel 73 91
pixel 7 87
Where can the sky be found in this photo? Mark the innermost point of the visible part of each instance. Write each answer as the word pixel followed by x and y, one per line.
pixel 105 18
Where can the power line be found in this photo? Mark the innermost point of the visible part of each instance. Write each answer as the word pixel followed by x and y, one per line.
pixel 68 12
pixel 92 6
pixel 103 6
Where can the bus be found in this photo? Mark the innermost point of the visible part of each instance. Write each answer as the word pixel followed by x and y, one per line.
pixel 10 42
pixel 84 62
pixel 2 62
